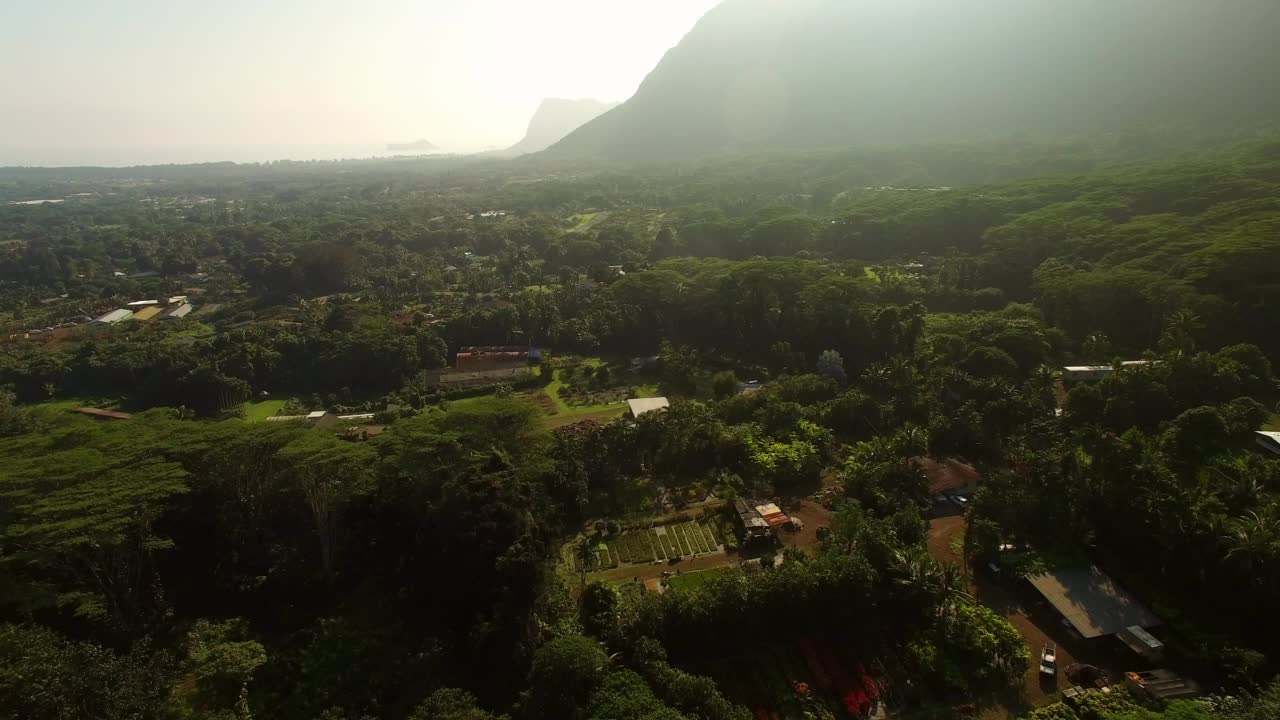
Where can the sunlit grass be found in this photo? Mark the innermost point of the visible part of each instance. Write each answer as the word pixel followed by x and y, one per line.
pixel 259 411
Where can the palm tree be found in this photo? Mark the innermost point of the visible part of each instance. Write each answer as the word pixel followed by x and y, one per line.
pixel 1253 539
pixel 1044 378
pixel 1180 332
pixel 952 583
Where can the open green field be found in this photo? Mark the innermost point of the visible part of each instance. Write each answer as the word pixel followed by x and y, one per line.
pixel 691 582
pixel 260 411
pixel 567 414
pixel 583 221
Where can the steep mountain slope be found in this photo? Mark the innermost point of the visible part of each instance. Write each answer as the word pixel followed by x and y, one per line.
pixel 758 74
pixel 554 119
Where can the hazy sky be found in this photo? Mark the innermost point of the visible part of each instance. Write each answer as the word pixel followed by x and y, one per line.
pixel 461 73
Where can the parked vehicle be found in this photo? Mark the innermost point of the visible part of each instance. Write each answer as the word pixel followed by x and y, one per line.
pixel 1049 660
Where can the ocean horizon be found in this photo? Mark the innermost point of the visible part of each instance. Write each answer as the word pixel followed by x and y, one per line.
pixel 53 157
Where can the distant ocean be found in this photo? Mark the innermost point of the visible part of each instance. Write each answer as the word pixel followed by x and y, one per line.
pixel 182 155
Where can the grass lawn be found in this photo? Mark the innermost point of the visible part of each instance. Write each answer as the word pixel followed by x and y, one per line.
pixel 691 582
pixel 567 414
pixel 259 411
pixel 584 221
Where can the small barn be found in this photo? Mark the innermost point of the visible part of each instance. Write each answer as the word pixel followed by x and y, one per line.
pixel 639 406
pixel 772 514
pixel 490 357
pixel 754 527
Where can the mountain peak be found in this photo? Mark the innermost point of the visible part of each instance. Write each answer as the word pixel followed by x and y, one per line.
pixel 764 74
pixel 556 118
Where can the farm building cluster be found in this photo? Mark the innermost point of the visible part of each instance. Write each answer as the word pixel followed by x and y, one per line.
pixel 758 522
pixel 170 308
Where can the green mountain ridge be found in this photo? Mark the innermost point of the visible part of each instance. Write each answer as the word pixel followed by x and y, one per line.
pixel 762 74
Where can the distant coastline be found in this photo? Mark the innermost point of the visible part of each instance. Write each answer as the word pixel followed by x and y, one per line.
pixel 415 146
pixel 185 155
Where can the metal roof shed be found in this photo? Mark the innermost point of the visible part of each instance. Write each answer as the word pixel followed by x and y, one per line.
pixel 1092 602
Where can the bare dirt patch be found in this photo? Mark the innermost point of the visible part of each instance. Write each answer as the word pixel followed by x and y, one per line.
pixel 813 516
pixel 947 474
pixel 943 534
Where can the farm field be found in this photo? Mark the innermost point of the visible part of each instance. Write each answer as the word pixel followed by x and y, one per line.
pixel 655 544
pixel 554 398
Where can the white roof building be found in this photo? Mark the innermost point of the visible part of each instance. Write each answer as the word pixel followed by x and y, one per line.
pixel 180 311
pixel 640 406
pixel 1268 440
pixel 114 317
pixel 1095 372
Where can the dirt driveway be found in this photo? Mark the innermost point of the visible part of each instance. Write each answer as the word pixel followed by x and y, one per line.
pixel 1036 625
pixel 813 516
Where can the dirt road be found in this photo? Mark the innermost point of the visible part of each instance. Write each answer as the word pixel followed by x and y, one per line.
pixel 1036 625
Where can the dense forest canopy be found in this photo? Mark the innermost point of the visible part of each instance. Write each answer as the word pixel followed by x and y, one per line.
pixel 821 322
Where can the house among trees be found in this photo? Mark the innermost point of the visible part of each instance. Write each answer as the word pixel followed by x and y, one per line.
pixel 490 357
pixel 754 527
pixel 1093 373
pixel 1268 440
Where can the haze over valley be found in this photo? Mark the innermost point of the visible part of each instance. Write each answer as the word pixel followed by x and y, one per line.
pixel 621 360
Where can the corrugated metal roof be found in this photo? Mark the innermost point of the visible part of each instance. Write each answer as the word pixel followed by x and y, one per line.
pixel 177 312
pixel 115 316
pixel 1092 602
